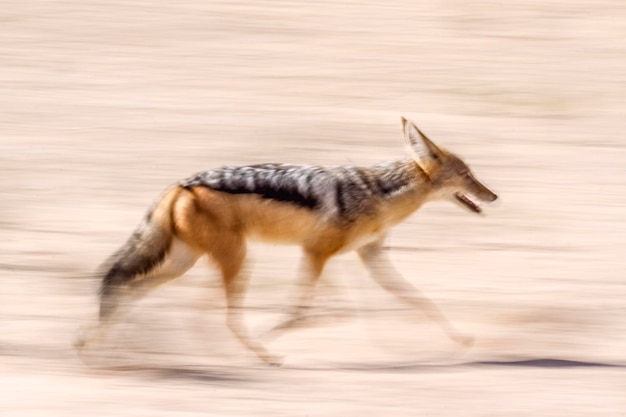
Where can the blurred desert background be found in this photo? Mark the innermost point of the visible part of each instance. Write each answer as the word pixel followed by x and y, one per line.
pixel 103 104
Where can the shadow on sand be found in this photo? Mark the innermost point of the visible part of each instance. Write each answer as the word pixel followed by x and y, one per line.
pixel 225 375
pixel 425 366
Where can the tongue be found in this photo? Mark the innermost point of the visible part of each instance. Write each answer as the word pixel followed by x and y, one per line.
pixel 467 202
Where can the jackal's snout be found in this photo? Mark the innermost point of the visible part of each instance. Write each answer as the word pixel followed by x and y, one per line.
pixel 473 194
pixel 486 194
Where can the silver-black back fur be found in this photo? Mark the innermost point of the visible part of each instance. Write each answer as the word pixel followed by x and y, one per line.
pixel 342 191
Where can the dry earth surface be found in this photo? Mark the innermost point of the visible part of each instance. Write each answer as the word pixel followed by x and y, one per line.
pixel 105 103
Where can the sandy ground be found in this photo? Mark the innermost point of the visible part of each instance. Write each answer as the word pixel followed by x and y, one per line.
pixel 105 103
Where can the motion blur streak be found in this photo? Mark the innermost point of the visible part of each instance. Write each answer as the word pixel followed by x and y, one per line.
pixel 104 104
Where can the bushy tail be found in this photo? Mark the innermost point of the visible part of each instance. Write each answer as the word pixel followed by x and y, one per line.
pixel 145 249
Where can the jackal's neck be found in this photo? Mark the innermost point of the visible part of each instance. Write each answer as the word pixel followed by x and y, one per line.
pixel 400 176
pixel 408 186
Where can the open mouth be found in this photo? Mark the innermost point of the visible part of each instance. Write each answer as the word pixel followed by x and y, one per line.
pixel 467 202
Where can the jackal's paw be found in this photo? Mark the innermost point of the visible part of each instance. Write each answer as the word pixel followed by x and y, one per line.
pixel 464 340
pixel 83 339
pixel 79 343
pixel 273 360
pixel 82 347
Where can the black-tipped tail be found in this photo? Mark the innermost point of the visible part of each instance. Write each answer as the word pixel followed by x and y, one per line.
pixel 146 248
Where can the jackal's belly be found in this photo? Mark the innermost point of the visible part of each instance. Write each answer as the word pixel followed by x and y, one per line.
pixel 278 222
pixel 285 223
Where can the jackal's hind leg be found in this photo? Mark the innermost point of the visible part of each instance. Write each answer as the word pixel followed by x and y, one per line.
pixel 113 305
pixel 230 259
pixel 116 300
pixel 385 274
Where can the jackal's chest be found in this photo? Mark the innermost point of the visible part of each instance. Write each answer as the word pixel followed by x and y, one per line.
pixel 361 240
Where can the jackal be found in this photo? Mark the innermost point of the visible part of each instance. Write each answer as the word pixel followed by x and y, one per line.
pixel 325 210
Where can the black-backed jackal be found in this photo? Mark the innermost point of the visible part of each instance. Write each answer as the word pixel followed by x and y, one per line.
pixel 325 210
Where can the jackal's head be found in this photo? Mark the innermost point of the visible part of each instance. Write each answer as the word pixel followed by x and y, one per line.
pixel 449 177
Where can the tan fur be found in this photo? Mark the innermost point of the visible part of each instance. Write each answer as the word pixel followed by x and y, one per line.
pixel 199 220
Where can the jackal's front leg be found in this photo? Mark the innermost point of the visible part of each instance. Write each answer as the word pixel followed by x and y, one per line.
pixel 385 274
pixel 310 271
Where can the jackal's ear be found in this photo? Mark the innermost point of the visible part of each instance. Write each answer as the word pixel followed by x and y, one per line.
pixel 420 146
